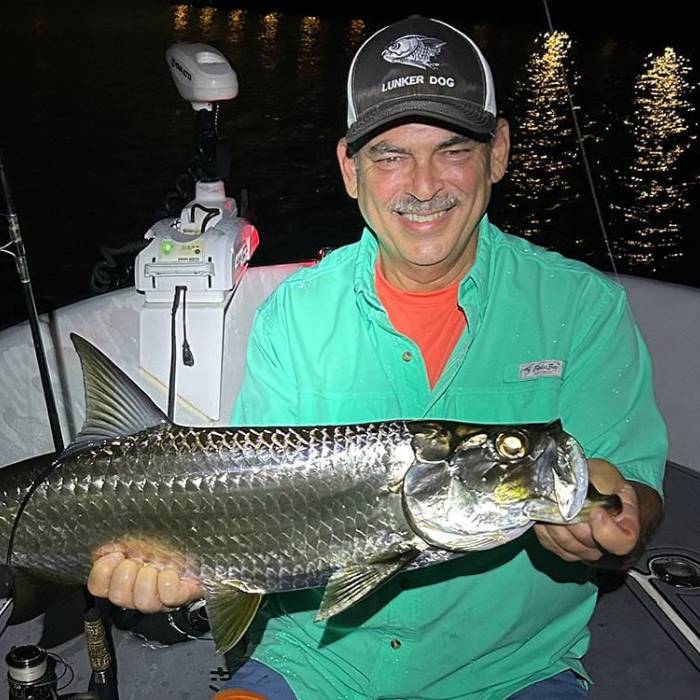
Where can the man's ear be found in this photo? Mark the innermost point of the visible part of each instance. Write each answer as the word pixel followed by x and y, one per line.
pixel 499 150
pixel 347 168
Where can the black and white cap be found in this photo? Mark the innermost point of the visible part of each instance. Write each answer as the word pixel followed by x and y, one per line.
pixel 423 69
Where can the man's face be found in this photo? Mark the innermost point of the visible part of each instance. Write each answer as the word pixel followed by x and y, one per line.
pixel 423 190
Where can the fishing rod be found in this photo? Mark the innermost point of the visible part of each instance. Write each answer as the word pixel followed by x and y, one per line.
pixel 584 153
pixel 23 271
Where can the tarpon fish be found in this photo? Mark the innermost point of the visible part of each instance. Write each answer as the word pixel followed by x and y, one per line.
pixel 414 50
pixel 249 511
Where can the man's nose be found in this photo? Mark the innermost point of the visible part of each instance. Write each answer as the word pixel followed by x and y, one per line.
pixel 426 179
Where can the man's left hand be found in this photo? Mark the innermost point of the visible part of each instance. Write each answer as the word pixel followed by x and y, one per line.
pixel 603 534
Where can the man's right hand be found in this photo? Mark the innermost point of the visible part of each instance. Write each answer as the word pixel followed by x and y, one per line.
pixel 130 583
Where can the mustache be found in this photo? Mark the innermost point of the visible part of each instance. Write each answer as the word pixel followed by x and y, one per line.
pixel 412 205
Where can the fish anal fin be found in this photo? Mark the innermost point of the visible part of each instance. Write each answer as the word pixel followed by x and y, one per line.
pixel 352 583
pixel 230 610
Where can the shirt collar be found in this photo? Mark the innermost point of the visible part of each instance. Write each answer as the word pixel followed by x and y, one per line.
pixel 477 277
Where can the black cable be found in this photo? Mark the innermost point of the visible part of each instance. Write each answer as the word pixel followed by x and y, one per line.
pixel 173 353
pixel 187 356
pixel 106 274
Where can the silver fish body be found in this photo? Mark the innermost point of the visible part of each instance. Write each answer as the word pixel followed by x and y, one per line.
pixel 276 509
pixel 248 511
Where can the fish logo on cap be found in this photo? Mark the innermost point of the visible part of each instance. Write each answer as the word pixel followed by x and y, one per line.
pixel 414 50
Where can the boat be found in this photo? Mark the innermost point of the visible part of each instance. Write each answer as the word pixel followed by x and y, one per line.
pixel 646 629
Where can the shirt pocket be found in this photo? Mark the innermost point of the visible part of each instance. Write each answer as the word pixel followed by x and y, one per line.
pixel 514 402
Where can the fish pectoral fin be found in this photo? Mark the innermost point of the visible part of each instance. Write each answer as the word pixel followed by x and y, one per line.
pixel 352 583
pixel 230 611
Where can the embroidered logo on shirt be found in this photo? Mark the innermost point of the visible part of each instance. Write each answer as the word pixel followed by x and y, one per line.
pixel 541 368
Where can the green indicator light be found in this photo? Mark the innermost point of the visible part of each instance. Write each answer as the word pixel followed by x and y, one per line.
pixel 166 246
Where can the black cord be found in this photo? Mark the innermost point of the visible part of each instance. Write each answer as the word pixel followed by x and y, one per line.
pixel 173 353
pixel 108 274
pixel 187 356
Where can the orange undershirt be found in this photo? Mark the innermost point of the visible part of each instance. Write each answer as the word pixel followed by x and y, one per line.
pixel 433 320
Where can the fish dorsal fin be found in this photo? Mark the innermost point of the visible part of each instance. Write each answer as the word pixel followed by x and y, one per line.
pixel 352 583
pixel 114 405
pixel 230 611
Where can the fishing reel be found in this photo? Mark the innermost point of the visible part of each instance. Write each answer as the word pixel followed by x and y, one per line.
pixel 32 671
pixel 31 674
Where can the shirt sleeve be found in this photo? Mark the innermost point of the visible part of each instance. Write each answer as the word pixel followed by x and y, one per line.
pixel 268 393
pixel 607 399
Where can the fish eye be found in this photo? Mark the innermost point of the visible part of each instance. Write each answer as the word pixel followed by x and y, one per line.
pixel 511 445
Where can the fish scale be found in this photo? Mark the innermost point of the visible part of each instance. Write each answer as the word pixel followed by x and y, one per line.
pixel 332 510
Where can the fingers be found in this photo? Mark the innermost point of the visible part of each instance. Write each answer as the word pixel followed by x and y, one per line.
pixel 101 574
pixel 145 590
pixel 569 542
pixel 174 591
pixel 603 533
pixel 605 477
pixel 123 582
pixel 618 534
pixel 129 583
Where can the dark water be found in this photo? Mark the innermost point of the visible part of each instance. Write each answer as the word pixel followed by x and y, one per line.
pixel 94 133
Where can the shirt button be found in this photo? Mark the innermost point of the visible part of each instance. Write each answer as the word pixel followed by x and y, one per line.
pixel 407 356
pixel 395 643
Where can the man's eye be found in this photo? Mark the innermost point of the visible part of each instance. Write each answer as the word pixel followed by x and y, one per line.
pixel 388 161
pixel 455 153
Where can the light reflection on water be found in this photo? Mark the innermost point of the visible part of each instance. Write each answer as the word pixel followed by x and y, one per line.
pixel 269 54
pixel 661 126
pixel 285 123
pixel 309 61
pixel 544 156
pixel 355 34
pixel 546 174
pixel 181 17
pixel 207 16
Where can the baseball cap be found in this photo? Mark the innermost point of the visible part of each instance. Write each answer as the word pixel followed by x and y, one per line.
pixel 419 69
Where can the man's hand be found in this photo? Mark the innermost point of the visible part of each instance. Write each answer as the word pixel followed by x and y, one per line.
pixel 623 535
pixel 130 583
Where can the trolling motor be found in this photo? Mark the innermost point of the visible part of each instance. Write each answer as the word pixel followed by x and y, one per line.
pixel 194 262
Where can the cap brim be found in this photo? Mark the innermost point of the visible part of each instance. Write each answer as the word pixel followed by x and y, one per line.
pixel 460 116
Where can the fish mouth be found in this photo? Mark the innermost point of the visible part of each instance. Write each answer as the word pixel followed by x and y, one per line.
pixel 564 467
pixel 570 476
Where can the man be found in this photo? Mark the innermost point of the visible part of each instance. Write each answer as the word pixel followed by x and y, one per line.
pixel 436 313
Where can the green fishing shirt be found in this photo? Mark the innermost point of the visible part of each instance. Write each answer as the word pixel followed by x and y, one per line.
pixel 546 338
